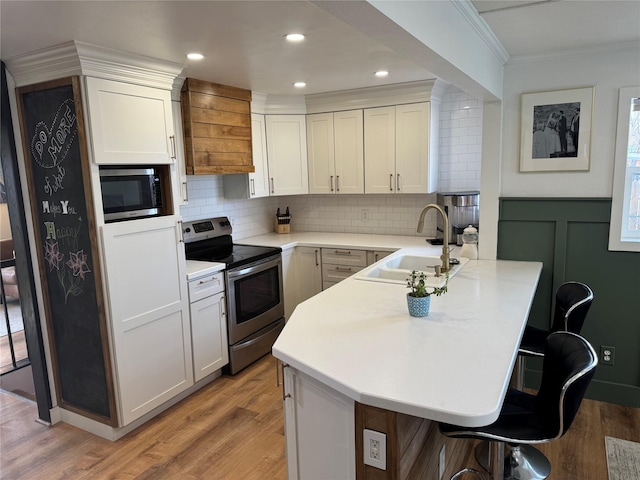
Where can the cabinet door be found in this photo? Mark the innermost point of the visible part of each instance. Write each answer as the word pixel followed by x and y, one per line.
pixel 412 148
pixel 287 154
pixel 309 272
pixel 259 180
pixel 319 425
pixel 289 287
pixel 149 312
pixel 209 335
pixel 180 176
pixel 130 124
pixel 379 150
pixel 374 255
pixel 349 151
pixel 320 149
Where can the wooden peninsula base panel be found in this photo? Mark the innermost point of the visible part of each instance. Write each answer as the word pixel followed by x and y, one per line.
pixel 413 446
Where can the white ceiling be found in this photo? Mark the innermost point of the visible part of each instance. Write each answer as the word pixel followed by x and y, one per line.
pixel 243 40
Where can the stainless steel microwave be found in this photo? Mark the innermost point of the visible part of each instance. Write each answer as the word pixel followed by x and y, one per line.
pixel 131 192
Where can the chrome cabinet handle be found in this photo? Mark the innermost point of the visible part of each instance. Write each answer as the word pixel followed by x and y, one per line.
pixel 212 279
pixel 172 139
pixel 375 257
pixel 331 182
pixel 390 180
pixel 185 197
pixel 398 182
pixel 317 264
pixel 272 191
pixel 343 269
pixel 180 233
pixel 342 252
pixel 337 183
pixel 253 187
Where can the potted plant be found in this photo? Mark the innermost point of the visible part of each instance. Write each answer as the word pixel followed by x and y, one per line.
pixel 419 299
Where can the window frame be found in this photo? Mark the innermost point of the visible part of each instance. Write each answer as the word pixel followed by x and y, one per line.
pixel 621 184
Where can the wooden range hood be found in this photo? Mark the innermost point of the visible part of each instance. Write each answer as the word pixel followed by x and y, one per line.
pixel 216 120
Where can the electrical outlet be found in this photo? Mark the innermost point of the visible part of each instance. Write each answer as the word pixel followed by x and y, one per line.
pixel 364 213
pixel 441 463
pixel 375 449
pixel 607 355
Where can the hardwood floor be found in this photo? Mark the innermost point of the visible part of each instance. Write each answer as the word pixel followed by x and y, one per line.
pixel 233 429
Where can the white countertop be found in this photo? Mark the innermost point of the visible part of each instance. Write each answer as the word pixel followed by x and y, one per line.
pixel 197 269
pixel 351 240
pixel 453 366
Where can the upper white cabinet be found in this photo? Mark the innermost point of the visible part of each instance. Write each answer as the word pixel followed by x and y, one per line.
pixel 149 310
pixel 130 124
pixel 287 154
pixel 380 149
pixel 335 152
pixel 256 184
pixel 180 177
pixel 397 147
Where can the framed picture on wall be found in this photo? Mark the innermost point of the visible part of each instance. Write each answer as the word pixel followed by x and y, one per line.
pixel 556 130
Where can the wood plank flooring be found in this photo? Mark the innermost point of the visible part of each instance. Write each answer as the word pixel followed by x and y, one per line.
pixel 233 429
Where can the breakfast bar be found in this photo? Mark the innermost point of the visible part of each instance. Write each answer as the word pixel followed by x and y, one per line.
pixel 354 347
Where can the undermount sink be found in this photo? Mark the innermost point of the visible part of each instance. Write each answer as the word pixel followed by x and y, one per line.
pixel 397 269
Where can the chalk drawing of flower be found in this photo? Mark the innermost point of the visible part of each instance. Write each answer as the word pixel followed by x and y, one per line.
pixel 78 263
pixel 52 255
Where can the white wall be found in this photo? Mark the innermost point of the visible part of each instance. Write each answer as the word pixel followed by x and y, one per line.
pixel 605 69
pixel 460 151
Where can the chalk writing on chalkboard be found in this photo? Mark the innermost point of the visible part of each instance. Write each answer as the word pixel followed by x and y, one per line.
pixel 49 146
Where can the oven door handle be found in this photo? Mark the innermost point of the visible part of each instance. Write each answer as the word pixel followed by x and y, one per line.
pixel 254 267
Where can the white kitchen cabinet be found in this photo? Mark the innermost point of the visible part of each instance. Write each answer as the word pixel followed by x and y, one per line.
pixel 309 272
pixel 208 325
pixel 335 152
pixel 400 149
pixel 319 428
pixel 287 154
pixel 374 255
pixel 256 184
pixel 130 124
pixel 340 263
pixel 289 280
pixel 180 178
pixel 149 313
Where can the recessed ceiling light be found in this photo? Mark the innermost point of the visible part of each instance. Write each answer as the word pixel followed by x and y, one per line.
pixel 381 73
pixel 195 56
pixel 294 37
pixel 299 84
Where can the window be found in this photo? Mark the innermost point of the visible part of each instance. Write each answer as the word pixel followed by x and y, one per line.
pixel 624 231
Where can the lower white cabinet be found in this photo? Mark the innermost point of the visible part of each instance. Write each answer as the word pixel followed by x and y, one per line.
pixel 374 255
pixel 149 313
pixel 319 425
pixel 208 325
pixel 309 272
pixel 340 263
pixel 289 287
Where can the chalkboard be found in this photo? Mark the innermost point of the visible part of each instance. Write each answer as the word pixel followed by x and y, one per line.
pixel 51 120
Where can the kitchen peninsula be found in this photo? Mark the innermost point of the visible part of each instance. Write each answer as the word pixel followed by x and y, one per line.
pixel 353 352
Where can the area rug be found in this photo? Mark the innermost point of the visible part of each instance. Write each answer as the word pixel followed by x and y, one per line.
pixel 623 459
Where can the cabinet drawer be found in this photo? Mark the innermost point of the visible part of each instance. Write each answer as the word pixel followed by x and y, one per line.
pixel 344 257
pixel 336 273
pixel 206 286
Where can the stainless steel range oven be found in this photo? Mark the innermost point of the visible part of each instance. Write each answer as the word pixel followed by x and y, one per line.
pixel 253 281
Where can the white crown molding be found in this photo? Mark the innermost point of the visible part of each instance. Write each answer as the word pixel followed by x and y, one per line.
pixel 633 46
pixel 258 102
pixel 477 23
pixel 77 58
pixel 285 104
pixel 379 96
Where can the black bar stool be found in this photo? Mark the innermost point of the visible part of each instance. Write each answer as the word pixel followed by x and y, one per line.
pixel 525 419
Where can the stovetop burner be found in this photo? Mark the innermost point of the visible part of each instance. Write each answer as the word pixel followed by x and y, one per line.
pixel 210 241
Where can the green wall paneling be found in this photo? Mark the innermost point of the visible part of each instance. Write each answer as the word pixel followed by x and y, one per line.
pixel 570 237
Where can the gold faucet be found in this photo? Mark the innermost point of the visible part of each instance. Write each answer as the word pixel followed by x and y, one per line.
pixel 445 241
